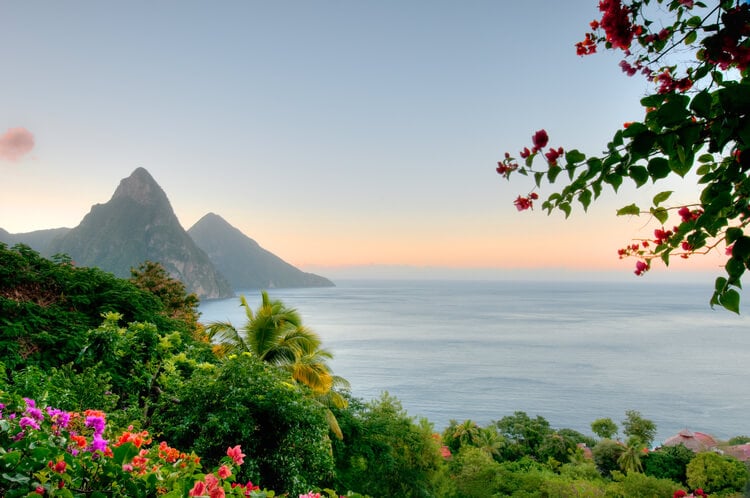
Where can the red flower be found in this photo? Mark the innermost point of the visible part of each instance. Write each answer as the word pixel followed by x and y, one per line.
pixel 525 153
pixel 540 140
pixel 553 155
pixel 523 203
pixel 587 46
pixel 618 28
pixel 680 493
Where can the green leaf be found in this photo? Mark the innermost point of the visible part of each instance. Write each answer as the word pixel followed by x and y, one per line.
pixel 629 209
pixel 691 37
pixel 733 234
pixel 552 173
pixel 634 129
pixel 652 100
pixel 660 214
pixel 741 248
pixel 615 180
pixel 124 453
pixel 661 197
pixel 565 206
pixel 730 300
pixel 734 267
pixel 672 112
pixel 721 284
pixel 574 156
pixel 585 199
pixel 680 166
pixel 639 174
pixel 706 158
pixel 538 178
pixel 701 104
pixel 642 144
pixel 658 167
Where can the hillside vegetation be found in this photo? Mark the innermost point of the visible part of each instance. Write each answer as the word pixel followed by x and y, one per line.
pixel 111 387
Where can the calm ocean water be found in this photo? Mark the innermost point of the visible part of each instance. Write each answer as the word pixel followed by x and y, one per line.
pixel 569 351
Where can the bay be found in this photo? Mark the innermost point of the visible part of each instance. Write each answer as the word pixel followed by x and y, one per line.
pixel 569 351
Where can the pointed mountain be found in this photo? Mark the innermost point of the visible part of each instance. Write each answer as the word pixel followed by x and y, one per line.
pixel 137 225
pixel 245 263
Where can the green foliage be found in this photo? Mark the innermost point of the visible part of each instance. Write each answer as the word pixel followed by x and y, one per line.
pixel 669 462
pixel 475 473
pixel 642 486
pixel 523 434
pixel 715 473
pixel 177 303
pixel 605 428
pixel 243 401
pixel 635 426
pixel 606 456
pixel 47 307
pixel 696 121
pixel 385 452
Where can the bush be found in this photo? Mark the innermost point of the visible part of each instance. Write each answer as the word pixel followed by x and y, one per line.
pixel 243 401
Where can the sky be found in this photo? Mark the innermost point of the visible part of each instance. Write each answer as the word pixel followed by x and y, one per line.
pixel 340 135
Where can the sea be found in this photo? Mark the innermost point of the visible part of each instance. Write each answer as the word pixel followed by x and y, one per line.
pixel 569 351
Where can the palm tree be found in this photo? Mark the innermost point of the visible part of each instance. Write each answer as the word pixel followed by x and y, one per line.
pixel 490 441
pixel 630 459
pixel 275 334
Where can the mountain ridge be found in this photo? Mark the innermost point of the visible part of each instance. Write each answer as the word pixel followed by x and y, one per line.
pixel 138 223
pixel 246 264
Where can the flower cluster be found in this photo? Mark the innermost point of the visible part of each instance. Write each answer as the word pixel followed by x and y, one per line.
pixel 70 451
pixel 729 46
pixel 616 22
pixel 681 493
pixel 524 203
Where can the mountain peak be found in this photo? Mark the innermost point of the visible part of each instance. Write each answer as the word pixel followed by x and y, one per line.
pixel 141 187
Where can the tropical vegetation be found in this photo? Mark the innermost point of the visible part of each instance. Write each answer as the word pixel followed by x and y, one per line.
pixel 139 401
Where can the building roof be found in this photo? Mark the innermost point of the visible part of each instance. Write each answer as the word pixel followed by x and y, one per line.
pixel 696 441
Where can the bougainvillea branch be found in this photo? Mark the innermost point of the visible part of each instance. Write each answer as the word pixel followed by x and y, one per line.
pixel 695 120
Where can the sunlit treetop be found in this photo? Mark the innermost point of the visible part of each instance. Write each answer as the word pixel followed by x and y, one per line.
pixel 696 119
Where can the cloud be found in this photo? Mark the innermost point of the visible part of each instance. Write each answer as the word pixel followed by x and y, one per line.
pixel 15 143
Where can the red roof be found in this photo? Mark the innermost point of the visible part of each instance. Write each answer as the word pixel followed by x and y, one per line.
pixel 696 441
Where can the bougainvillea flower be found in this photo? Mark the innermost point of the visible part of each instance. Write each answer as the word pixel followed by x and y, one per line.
pixel 540 140
pixel 236 454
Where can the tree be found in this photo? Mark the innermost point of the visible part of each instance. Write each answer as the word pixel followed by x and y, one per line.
pixel 668 462
pixel 696 122
pixel 606 455
pixel 715 473
pixel 605 428
pixel 178 304
pixel 275 334
pixel 248 402
pixel 630 459
pixel 635 426
pixel 523 434
pixel 385 452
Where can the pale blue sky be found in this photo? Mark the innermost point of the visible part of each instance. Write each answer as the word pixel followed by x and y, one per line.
pixel 331 132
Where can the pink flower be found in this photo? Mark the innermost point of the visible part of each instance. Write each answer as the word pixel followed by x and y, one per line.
pixel 199 489
pixel 236 454
pixel 641 267
pixel 211 481
pixel 224 472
